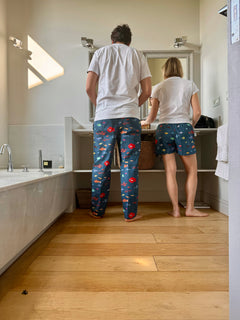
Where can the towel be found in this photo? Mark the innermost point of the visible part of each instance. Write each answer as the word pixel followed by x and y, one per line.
pixel 222 143
pixel 222 169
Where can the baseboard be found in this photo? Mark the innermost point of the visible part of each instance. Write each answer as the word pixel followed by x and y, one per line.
pixel 216 203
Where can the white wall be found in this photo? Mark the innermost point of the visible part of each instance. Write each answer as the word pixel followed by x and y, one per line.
pixel 214 84
pixel 3 80
pixel 214 77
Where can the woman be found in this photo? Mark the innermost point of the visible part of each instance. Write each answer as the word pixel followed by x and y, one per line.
pixel 175 132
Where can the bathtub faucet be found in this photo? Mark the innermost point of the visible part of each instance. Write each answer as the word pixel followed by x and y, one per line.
pixel 10 165
pixel 40 161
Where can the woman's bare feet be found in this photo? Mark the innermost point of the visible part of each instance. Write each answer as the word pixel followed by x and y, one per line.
pixel 134 219
pixel 195 213
pixel 94 215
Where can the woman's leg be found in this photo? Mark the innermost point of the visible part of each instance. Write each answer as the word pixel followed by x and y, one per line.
pixel 103 146
pixel 190 164
pixel 172 187
pixel 129 146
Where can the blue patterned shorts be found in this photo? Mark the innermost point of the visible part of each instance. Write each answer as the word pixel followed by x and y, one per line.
pixel 175 138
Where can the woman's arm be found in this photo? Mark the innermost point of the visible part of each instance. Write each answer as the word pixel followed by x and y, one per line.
pixel 196 109
pixel 91 85
pixel 153 112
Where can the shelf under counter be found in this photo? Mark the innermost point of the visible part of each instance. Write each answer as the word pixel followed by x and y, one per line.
pixel 148 170
pixel 197 131
pixel 146 131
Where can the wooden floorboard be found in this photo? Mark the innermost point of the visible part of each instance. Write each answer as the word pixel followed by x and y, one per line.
pixel 156 268
pixel 135 249
pixel 116 305
pixel 124 281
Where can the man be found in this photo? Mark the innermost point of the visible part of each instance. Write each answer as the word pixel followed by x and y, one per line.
pixel 117 70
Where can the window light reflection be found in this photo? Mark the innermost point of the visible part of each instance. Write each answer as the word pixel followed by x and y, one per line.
pixel 43 63
pixel 33 80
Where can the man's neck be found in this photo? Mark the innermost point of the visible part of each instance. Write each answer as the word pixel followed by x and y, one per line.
pixel 120 43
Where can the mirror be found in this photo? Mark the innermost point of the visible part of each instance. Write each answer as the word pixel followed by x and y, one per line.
pixel 156 60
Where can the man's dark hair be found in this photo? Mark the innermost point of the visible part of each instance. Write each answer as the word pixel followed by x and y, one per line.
pixel 122 33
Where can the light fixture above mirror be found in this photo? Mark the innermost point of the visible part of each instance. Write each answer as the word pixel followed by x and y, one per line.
pixel 180 41
pixel 87 43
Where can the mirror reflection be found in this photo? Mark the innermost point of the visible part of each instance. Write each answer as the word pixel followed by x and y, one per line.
pixel 156 60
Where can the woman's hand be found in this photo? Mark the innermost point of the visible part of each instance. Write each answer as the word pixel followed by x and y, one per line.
pixel 153 112
pixel 144 123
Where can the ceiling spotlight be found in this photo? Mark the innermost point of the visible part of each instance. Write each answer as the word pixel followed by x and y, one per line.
pixel 178 42
pixel 16 42
pixel 87 43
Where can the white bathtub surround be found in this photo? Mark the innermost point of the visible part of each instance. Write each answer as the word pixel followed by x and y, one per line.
pixel 29 203
pixel 17 178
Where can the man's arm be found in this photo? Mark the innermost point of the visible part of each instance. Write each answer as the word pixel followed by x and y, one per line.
pixel 146 87
pixel 196 109
pixel 91 85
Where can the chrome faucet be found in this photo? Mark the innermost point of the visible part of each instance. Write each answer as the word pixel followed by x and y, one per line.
pixel 40 161
pixel 10 165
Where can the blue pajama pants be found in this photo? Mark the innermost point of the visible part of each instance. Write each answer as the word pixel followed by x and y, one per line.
pixel 127 133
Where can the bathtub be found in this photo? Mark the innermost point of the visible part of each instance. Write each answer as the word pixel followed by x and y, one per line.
pixel 29 203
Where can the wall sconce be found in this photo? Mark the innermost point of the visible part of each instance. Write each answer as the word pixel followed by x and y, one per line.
pixel 179 42
pixel 182 41
pixel 16 42
pixel 223 11
pixel 87 43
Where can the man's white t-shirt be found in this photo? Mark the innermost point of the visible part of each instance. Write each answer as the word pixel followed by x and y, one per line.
pixel 174 96
pixel 120 69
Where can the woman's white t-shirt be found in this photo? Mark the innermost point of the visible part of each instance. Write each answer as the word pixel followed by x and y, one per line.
pixel 174 96
pixel 120 69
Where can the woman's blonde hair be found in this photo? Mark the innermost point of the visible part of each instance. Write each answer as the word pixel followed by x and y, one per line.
pixel 172 68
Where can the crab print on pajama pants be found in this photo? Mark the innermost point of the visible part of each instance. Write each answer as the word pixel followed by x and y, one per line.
pixel 127 133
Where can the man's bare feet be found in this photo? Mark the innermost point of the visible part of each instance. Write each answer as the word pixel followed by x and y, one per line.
pixel 175 213
pixel 134 219
pixel 195 213
pixel 94 215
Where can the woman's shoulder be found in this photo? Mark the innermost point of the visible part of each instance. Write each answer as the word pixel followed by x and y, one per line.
pixel 157 87
pixel 186 83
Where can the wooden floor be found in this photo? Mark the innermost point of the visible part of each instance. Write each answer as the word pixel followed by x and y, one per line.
pixel 157 268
